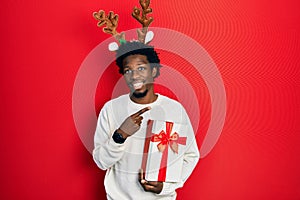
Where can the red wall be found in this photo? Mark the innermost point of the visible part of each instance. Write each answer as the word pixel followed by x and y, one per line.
pixel 254 44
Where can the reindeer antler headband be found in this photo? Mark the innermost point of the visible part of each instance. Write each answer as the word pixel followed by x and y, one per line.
pixel 111 22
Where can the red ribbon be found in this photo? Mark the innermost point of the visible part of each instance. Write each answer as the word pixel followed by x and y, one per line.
pixel 165 139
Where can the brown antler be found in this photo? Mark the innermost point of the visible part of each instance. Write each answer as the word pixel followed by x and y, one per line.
pixel 143 19
pixel 111 22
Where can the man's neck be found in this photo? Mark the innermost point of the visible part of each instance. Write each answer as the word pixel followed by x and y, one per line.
pixel 149 98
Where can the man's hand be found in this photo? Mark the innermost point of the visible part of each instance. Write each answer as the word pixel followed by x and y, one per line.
pixel 132 123
pixel 150 186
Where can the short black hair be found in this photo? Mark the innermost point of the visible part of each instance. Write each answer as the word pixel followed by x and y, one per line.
pixel 138 48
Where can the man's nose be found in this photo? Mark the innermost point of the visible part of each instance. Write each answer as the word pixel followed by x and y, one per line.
pixel 134 74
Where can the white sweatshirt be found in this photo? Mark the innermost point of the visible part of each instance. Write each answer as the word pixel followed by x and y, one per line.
pixel 123 161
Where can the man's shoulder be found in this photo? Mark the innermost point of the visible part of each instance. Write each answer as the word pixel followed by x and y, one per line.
pixel 117 100
pixel 120 98
pixel 168 100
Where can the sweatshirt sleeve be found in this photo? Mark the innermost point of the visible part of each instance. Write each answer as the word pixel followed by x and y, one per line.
pixel 190 160
pixel 106 151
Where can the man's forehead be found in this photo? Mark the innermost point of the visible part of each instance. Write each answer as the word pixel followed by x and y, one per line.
pixel 135 57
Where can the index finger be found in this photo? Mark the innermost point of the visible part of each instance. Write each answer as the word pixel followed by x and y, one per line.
pixel 141 111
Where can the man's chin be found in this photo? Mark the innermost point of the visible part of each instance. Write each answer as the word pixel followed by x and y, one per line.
pixel 140 94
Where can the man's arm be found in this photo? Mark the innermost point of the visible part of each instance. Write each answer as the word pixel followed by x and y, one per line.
pixel 106 151
pixel 190 160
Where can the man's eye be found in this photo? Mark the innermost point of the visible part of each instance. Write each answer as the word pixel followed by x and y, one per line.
pixel 141 68
pixel 127 71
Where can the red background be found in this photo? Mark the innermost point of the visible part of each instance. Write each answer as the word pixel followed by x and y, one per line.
pixel 255 45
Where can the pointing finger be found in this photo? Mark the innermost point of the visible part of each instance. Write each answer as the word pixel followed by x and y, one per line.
pixel 141 111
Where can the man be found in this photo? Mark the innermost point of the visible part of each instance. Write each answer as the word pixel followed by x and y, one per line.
pixel 122 124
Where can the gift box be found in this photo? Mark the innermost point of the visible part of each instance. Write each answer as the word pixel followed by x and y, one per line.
pixel 163 151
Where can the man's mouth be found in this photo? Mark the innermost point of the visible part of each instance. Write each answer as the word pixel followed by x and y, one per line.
pixel 137 85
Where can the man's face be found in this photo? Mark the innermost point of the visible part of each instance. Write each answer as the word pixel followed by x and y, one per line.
pixel 138 74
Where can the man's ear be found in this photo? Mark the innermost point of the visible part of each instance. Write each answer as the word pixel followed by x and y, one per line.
pixel 154 71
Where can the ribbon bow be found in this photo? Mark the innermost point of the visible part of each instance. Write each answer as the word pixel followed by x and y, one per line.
pixel 165 139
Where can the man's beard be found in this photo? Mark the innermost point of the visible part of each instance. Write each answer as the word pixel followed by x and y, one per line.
pixel 140 94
